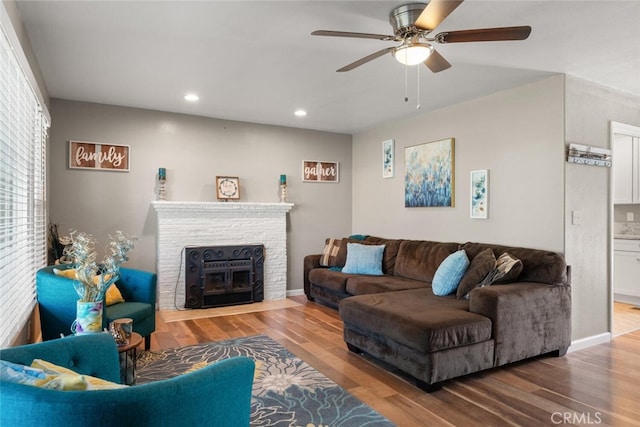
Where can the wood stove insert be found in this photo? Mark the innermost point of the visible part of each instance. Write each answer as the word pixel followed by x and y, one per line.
pixel 217 276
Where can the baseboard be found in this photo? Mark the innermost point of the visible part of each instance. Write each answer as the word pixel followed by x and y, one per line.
pixel 627 299
pixel 583 343
pixel 295 292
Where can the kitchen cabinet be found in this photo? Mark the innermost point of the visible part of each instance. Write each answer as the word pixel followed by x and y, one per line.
pixel 626 169
pixel 626 268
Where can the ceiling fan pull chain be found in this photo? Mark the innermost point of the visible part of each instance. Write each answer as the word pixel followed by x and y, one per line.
pixel 406 79
pixel 418 97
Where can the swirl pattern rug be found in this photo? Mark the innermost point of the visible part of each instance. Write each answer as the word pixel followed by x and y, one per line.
pixel 286 390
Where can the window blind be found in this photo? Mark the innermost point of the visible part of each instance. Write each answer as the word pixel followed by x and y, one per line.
pixel 23 228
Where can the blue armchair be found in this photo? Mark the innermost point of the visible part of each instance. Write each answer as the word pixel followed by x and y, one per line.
pixel 57 302
pixel 216 395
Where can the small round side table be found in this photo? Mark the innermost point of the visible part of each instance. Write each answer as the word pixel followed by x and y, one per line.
pixel 128 359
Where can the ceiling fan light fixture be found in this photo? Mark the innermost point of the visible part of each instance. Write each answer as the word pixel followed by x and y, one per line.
pixel 412 54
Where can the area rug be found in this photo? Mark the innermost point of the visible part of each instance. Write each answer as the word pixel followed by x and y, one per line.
pixel 286 390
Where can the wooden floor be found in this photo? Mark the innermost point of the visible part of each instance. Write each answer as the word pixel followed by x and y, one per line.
pixel 626 318
pixel 599 385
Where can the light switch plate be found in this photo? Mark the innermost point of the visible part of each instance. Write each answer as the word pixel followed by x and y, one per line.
pixel 630 216
pixel 576 217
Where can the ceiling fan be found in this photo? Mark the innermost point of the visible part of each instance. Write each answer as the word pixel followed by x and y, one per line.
pixel 412 24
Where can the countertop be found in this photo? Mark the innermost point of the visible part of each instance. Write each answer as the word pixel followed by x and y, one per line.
pixel 626 230
pixel 626 236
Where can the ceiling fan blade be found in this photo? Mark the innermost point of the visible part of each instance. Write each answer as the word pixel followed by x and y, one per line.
pixel 484 35
pixel 436 12
pixel 354 35
pixel 366 59
pixel 436 62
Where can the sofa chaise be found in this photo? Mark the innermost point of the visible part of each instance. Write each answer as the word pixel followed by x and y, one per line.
pixel 396 317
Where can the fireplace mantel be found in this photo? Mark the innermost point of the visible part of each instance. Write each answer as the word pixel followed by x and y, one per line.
pixel 233 208
pixel 182 224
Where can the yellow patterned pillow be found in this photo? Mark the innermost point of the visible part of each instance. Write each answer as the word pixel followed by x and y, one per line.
pixel 91 383
pixel 113 295
pixel 69 273
pixel 28 375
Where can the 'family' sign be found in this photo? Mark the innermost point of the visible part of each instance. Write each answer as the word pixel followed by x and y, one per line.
pixel 97 156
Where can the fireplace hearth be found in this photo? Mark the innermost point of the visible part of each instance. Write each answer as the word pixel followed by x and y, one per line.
pixel 217 276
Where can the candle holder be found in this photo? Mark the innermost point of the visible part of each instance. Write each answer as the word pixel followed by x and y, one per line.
pixel 283 188
pixel 162 189
pixel 162 184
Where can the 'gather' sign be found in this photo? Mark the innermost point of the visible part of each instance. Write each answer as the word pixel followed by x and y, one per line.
pixel 315 171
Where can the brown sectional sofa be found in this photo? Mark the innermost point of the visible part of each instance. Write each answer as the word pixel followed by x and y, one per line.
pixel 397 318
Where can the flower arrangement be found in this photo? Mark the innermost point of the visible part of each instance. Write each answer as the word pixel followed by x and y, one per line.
pixel 93 279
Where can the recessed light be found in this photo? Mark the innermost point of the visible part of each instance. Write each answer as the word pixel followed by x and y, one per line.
pixel 191 97
pixel 300 113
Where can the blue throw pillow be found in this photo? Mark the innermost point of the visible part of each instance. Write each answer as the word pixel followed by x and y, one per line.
pixel 449 273
pixel 364 259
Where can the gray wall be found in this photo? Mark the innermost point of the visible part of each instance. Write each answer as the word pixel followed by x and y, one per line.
pixel 521 136
pixel 516 134
pixel 194 150
pixel 589 110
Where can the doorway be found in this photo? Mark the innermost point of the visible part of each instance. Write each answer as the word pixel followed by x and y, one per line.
pixel 625 283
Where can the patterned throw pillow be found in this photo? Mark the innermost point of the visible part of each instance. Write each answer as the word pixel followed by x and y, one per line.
pixel 330 253
pixel 507 270
pixel 449 273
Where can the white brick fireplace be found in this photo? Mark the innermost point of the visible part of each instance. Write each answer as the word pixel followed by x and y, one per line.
pixel 182 224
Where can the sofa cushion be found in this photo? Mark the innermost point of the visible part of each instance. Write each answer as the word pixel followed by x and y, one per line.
pixel 364 259
pixel 138 311
pixel 416 319
pixel 449 273
pixel 330 279
pixel 537 265
pixel 419 260
pixel 361 285
pixel 478 269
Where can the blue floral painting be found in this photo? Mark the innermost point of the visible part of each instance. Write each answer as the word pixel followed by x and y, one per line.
pixel 429 174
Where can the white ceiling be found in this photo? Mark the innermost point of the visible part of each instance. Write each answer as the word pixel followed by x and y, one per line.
pixel 256 61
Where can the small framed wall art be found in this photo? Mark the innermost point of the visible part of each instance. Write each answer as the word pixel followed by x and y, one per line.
pixel 228 187
pixel 480 194
pixel 388 159
pixel 320 171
